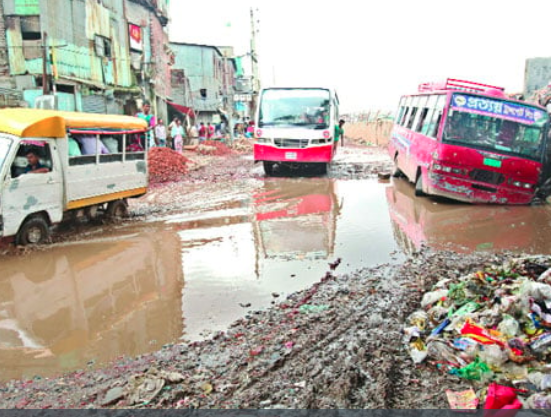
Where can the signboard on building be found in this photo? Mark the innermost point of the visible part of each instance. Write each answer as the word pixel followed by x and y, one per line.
pixel 243 97
pixel 135 36
pixel 27 7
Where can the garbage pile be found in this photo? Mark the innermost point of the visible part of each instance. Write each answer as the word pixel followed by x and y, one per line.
pixel 166 165
pixel 491 327
pixel 214 148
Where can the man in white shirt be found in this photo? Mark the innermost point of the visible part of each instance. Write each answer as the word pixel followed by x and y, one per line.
pixel 160 133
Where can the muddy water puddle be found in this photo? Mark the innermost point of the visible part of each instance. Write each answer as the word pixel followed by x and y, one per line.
pixel 173 278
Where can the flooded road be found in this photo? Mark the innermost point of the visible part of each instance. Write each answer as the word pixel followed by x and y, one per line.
pixel 131 290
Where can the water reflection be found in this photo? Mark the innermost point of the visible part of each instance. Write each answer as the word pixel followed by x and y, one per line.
pixel 296 221
pixel 466 228
pixel 86 302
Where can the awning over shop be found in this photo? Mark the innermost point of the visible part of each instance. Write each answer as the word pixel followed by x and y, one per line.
pixel 182 109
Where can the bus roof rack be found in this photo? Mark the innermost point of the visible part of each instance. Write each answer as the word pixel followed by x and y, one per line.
pixel 460 85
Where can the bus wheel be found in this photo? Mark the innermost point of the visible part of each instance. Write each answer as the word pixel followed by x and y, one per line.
pixel 397 172
pixel 268 167
pixel 117 210
pixel 323 169
pixel 419 186
pixel 34 231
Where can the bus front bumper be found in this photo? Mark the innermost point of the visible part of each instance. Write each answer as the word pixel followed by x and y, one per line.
pixel 312 154
pixel 475 192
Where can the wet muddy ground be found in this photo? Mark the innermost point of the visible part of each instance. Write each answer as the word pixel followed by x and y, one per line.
pixel 202 253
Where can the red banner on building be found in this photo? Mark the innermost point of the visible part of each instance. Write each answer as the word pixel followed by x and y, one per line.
pixel 135 35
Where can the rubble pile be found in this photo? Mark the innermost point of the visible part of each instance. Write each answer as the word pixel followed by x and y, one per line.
pixel 491 327
pixel 243 146
pixel 212 147
pixel 166 165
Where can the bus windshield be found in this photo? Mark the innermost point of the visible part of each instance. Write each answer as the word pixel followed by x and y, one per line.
pixel 488 129
pixel 5 145
pixel 295 107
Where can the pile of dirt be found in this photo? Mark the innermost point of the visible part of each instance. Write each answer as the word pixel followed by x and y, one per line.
pixel 243 146
pixel 166 165
pixel 212 147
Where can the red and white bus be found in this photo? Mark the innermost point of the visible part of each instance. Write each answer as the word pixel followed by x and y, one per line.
pixel 296 126
pixel 470 142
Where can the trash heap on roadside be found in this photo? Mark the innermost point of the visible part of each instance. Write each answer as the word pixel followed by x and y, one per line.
pixel 493 328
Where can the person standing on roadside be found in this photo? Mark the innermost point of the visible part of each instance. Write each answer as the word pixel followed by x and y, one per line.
pixel 210 131
pixel 177 134
pixel 160 133
pixel 202 132
pixel 194 135
pixel 339 132
pixel 145 114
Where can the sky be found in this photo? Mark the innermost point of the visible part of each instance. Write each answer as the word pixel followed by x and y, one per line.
pixel 374 51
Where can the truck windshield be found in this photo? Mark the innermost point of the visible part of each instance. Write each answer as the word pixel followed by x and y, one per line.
pixel 485 129
pixel 295 107
pixel 5 145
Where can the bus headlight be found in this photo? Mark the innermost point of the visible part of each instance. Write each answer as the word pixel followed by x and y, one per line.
pixel 263 140
pixel 449 170
pixel 520 184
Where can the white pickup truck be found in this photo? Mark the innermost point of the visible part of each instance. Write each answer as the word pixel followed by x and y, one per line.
pixel 56 164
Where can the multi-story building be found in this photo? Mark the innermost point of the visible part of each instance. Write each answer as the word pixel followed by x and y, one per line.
pixel 210 76
pixel 96 56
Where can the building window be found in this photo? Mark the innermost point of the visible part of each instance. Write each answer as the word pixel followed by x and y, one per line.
pixel 103 47
pixel 30 28
pixel 203 92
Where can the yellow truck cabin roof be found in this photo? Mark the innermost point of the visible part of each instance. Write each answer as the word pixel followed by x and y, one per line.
pixel 36 123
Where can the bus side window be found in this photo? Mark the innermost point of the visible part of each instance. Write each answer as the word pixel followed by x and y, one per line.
pixel 412 117
pixel 400 111
pixel 427 122
pixel 404 116
pixel 422 119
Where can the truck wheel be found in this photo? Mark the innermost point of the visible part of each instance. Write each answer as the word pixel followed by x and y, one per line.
pixel 91 213
pixel 34 231
pixel 117 210
pixel 268 168
pixel 419 186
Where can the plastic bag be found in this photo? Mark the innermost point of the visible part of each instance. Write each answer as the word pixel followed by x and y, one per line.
pixel 468 308
pixel 441 352
pixel 536 290
pixel 493 356
pixel 502 398
pixel 539 402
pixel 418 356
pixel 437 314
pixel 433 297
pixel 509 326
pixel 481 335
pixel 418 319
pixel 476 370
